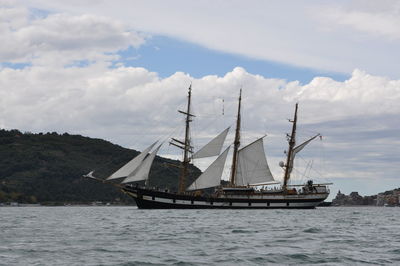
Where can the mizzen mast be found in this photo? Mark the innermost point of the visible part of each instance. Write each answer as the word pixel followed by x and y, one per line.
pixel 185 145
pixel 236 143
pixel 292 142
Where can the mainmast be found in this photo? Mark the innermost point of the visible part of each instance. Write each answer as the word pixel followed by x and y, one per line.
pixel 236 143
pixel 292 142
pixel 185 145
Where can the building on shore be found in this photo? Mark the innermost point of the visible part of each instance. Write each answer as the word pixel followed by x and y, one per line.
pixel 387 198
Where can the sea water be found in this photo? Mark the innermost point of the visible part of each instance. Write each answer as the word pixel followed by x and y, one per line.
pixel 129 236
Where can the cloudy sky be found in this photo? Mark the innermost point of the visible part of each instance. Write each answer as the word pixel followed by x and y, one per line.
pixel 119 70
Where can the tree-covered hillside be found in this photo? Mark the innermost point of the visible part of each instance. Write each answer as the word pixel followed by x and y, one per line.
pixel 49 167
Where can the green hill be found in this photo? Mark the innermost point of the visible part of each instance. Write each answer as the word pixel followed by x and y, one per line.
pixel 48 168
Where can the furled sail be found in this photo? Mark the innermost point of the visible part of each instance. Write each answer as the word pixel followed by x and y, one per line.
pixel 213 148
pixel 297 149
pixel 211 177
pixel 132 165
pixel 252 166
pixel 142 172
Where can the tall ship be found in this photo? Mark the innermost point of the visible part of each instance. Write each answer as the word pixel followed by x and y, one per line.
pixel 249 180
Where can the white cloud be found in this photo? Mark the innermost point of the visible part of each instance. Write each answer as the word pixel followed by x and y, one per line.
pixel 377 18
pixel 133 106
pixel 60 39
pixel 310 34
pixel 362 94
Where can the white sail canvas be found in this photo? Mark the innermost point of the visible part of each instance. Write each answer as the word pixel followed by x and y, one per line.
pixel 211 177
pixel 132 165
pixel 301 146
pixel 297 150
pixel 252 166
pixel 214 147
pixel 143 170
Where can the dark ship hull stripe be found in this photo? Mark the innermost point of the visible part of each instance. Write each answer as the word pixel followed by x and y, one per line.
pixel 150 199
pixel 146 204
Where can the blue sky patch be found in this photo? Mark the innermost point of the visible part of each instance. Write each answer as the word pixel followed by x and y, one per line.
pixel 37 13
pixel 14 65
pixel 166 56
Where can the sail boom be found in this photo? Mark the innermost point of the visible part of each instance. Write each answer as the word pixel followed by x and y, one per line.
pixel 179 141
pixel 186 113
pixel 181 147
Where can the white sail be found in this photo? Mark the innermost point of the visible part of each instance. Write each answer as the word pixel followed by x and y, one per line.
pixel 211 177
pixel 132 165
pixel 297 150
pixel 301 146
pixel 252 166
pixel 213 148
pixel 142 172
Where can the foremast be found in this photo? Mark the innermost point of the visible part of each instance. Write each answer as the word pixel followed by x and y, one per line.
pixel 292 143
pixel 236 143
pixel 185 145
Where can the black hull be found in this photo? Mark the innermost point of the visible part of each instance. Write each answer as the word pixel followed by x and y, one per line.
pixel 153 199
pixel 144 204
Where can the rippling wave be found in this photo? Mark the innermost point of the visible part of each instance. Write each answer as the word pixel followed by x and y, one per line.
pixel 129 236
